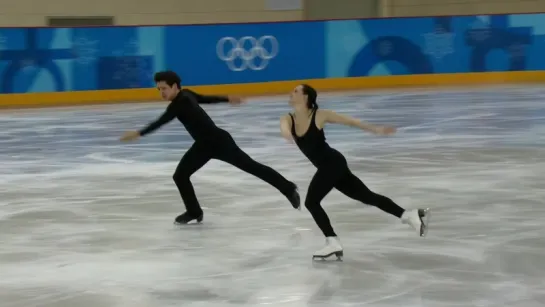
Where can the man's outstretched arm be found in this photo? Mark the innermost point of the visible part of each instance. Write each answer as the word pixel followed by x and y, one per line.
pixel 209 99
pixel 166 117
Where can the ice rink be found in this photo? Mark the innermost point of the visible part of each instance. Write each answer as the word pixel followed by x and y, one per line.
pixel 86 221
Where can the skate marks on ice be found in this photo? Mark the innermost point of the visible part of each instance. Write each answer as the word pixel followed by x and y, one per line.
pixel 87 221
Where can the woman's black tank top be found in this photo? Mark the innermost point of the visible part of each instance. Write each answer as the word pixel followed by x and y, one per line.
pixel 313 143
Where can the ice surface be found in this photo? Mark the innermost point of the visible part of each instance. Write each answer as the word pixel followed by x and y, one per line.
pixel 87 221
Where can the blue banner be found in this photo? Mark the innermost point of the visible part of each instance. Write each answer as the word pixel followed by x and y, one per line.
pixel 77 59
pixel 435 45
pixel 224 54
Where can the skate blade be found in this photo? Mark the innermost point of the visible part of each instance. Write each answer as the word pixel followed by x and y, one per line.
pixel 190 223
pixel 194 221
pixel 186 224
pixel 425 216
pixel 339 256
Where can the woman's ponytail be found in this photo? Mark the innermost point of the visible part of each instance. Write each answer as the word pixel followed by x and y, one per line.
pixel 312 95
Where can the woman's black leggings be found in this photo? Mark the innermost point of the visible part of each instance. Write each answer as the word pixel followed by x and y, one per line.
pixel 337 175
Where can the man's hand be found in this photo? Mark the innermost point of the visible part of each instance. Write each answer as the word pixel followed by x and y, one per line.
pixel 236 100
pixel 130 136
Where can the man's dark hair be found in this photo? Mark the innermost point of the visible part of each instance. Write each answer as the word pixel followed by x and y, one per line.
pixel 169 77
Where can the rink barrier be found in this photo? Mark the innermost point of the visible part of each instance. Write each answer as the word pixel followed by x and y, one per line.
pixel 76 66
pixel 273 88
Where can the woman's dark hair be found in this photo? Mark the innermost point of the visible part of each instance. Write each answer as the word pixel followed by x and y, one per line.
pixel 169 77
pixel 311 96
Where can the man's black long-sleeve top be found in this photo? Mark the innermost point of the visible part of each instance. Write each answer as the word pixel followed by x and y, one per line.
pixel 185 106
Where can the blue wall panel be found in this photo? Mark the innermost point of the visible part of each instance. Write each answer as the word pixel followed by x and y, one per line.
pixel 74 59
pixel 434 45
pixel 242 53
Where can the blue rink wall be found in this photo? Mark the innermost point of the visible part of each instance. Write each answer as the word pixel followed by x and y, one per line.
pixel 51 66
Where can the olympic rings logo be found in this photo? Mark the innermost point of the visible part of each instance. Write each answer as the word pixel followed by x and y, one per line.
pixel 247 52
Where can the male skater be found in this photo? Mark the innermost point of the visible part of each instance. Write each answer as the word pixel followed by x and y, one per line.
pixel 211 142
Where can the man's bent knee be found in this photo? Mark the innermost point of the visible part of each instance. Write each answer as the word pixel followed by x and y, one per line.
pixel 180 176
pixel 311 204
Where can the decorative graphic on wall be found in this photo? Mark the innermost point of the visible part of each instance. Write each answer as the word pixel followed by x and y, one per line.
pixel 77 59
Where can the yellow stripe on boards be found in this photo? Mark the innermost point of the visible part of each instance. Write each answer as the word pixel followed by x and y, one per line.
pixel 58 99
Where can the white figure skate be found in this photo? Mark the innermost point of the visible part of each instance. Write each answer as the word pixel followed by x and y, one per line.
pixel 333 247
pixel 418 219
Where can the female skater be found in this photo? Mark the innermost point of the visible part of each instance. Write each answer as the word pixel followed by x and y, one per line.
pixel 305 127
